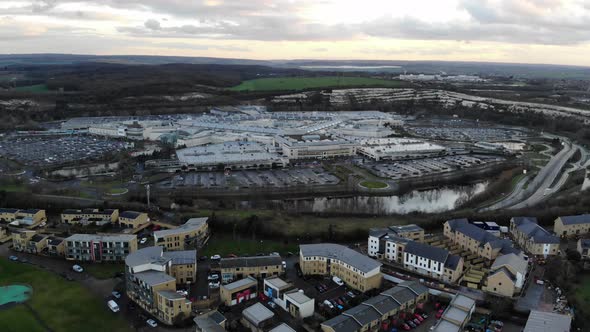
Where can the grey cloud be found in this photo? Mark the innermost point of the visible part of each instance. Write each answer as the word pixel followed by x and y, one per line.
pixel 152 24
pixel 43 5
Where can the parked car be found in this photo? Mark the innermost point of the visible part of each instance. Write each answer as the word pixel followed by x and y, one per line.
pixel 214 284
pixel 272 304
pixel 284 265
pixel 143 240
pixel 412 324
pixel 116 294
pixel 215 257
pixel 329 304
pixel 416 321
pixel 262 297
pixel 113 306
pixel 151 323
pixel 13 258
pixel 419 317
pixel 24 260
pixel 351 294
pixel 339 301
pixel 274 253
pixel 406 327
pixel 424 315
pixel 77 268
pixel 203 258
pixel 232 256
pixel 213 277
pixel 340 307
pixel 439 313
pixel 337 281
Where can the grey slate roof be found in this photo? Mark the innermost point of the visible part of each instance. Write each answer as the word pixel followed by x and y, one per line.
pixel 414 285
pixel 153 277
pixel 400 294
pixel 452 262
pixel 250 261
pixel 363 314
pixel 102 237
pixel 529 227
pixel 343 323
pixel 406 228
pixel 579 219
pixel 342 253
pixel 427 251
pixel 282 328
pixel 482 236
pixel 383 304
pixel 8 210
pixel 182 256
pixel 129 214
pixel 514 261
pixel 189 225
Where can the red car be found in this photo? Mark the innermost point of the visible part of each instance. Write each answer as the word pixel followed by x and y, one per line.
pixel 406 327
pixel 340 301
pixel 418 317
pixel 439 313
pixel 262 297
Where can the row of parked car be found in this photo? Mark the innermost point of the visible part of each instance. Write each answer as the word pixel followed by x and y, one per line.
pixel 340 302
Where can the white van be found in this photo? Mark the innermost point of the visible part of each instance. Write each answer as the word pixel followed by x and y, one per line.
pixel 113 306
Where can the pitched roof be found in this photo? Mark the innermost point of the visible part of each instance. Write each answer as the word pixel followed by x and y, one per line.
pixel 481 236
pixel 514 262
pixel 252 261
pixel 130 214
pixel 579 219
pixel 282 328
pixel 363 314
pixel 342 253
pixel 533 231
pixel 452 262
pixel 343 323
pixel 383 304
pixel 427 251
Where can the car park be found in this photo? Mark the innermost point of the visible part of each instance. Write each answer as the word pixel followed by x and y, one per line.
pixel 77 268
pixel 151 323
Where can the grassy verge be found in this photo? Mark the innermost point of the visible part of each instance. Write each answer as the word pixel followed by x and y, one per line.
pixel 103 271
pixel 301 83
pixel 374 184
pixel 37 88
pixel 13 187
pixel 62 305
pixel 225 245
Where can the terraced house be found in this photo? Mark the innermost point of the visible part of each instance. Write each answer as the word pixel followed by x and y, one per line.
pixel 193 233
pixel 99 248
pixel 379 236
pixel 533 238
pixel 355 269
pixel 89 216
pixel 133 219
pixel 476 240
pixel 572 225
pixel 255 266
pixel 28 217
pixel 368 315
pixel 150 284
pixel 507 275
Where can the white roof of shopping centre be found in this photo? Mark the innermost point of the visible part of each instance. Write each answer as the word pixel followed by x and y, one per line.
pixel 226 153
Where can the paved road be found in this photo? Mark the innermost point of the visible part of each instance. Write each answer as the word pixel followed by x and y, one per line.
pixel 511 198
pixel 541 184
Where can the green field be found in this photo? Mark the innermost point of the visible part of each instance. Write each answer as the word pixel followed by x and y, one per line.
pixel 37 88
pixel 62 305
pixel 302 83
pixel 374 184
pixel 103 271
pixel 225 245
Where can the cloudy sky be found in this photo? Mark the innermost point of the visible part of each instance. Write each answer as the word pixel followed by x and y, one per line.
pixel 531 31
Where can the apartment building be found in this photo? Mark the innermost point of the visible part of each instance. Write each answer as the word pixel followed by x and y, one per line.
pixel 5 236
pixel 572 225
pixel 255 266
pixel 476 240
pixel 371 313
pixel 133 219
pixel 100 247
pixel 28 217
pixel 583 248
pixel 289 298
pixel 89 216
pixel 21 238
pixel 193 233
pixel 184 265
pixel 533 238
pixel 150 284
pixel 432 261
pixel 379 236
pixel 355 269
pixel 507 275
pixel 239 291
pixel 456 315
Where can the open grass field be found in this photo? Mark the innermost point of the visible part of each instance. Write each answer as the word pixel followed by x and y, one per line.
pixel 37 88
pixel 302 83
pixel 374 184
pixel 62 305
pixel 13 187
pixel 104 271
pixel 224 245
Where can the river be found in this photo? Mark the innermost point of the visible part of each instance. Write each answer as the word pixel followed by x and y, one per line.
pixel 427 201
